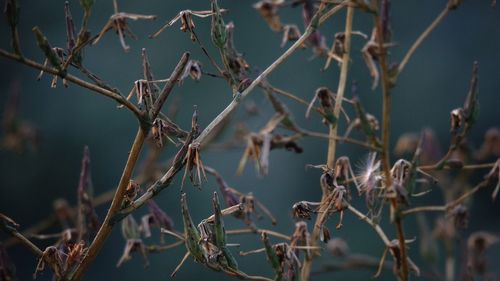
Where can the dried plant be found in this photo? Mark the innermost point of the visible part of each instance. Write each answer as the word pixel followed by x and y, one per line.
pixel 385 184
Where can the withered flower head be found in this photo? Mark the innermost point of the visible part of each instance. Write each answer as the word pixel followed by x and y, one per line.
pixel 54 257
pixel 132 235
pixel 193 159
pixel 268 9
pixel 193 69
pixel 371 52
pixel 301 236
pixel 118 22
pixel 187 23
pixel 302 210
pixel 161 130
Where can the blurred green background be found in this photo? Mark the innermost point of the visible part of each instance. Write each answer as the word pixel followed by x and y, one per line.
pixel 435 81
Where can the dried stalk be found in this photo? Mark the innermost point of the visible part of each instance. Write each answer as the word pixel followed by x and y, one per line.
pixel 306 267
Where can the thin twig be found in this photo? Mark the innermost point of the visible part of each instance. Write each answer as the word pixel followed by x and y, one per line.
pixel 422 37
pixel 167 89
pixel 257 231
pixel 75 80
pixel 374 225
pixel 240 96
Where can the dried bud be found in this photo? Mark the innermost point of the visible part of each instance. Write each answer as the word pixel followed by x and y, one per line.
pixel 453 4
pixel 291 32
pixel 302 210
pixel 193 69
pixel 54 257
pixel 324 234
pixel 456 118
pixel 131 191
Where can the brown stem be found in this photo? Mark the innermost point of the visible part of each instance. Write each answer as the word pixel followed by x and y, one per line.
pixel 386 123
pixel 167 89
pixel 257 231
pixel 106 228
pixel 422 37
pixel 306 267
pixel 75 80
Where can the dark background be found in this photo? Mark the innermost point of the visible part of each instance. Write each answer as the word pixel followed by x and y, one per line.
pixel 435 81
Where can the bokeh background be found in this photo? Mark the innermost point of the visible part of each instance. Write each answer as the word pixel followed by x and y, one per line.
pixel 435 81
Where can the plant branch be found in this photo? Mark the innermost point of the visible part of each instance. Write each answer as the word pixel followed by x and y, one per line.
pixel 105 229
pixel 167 89
pixel 315 23
pixel 75 80
pixel 422 37
pixel 257 231
pixel 306 267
